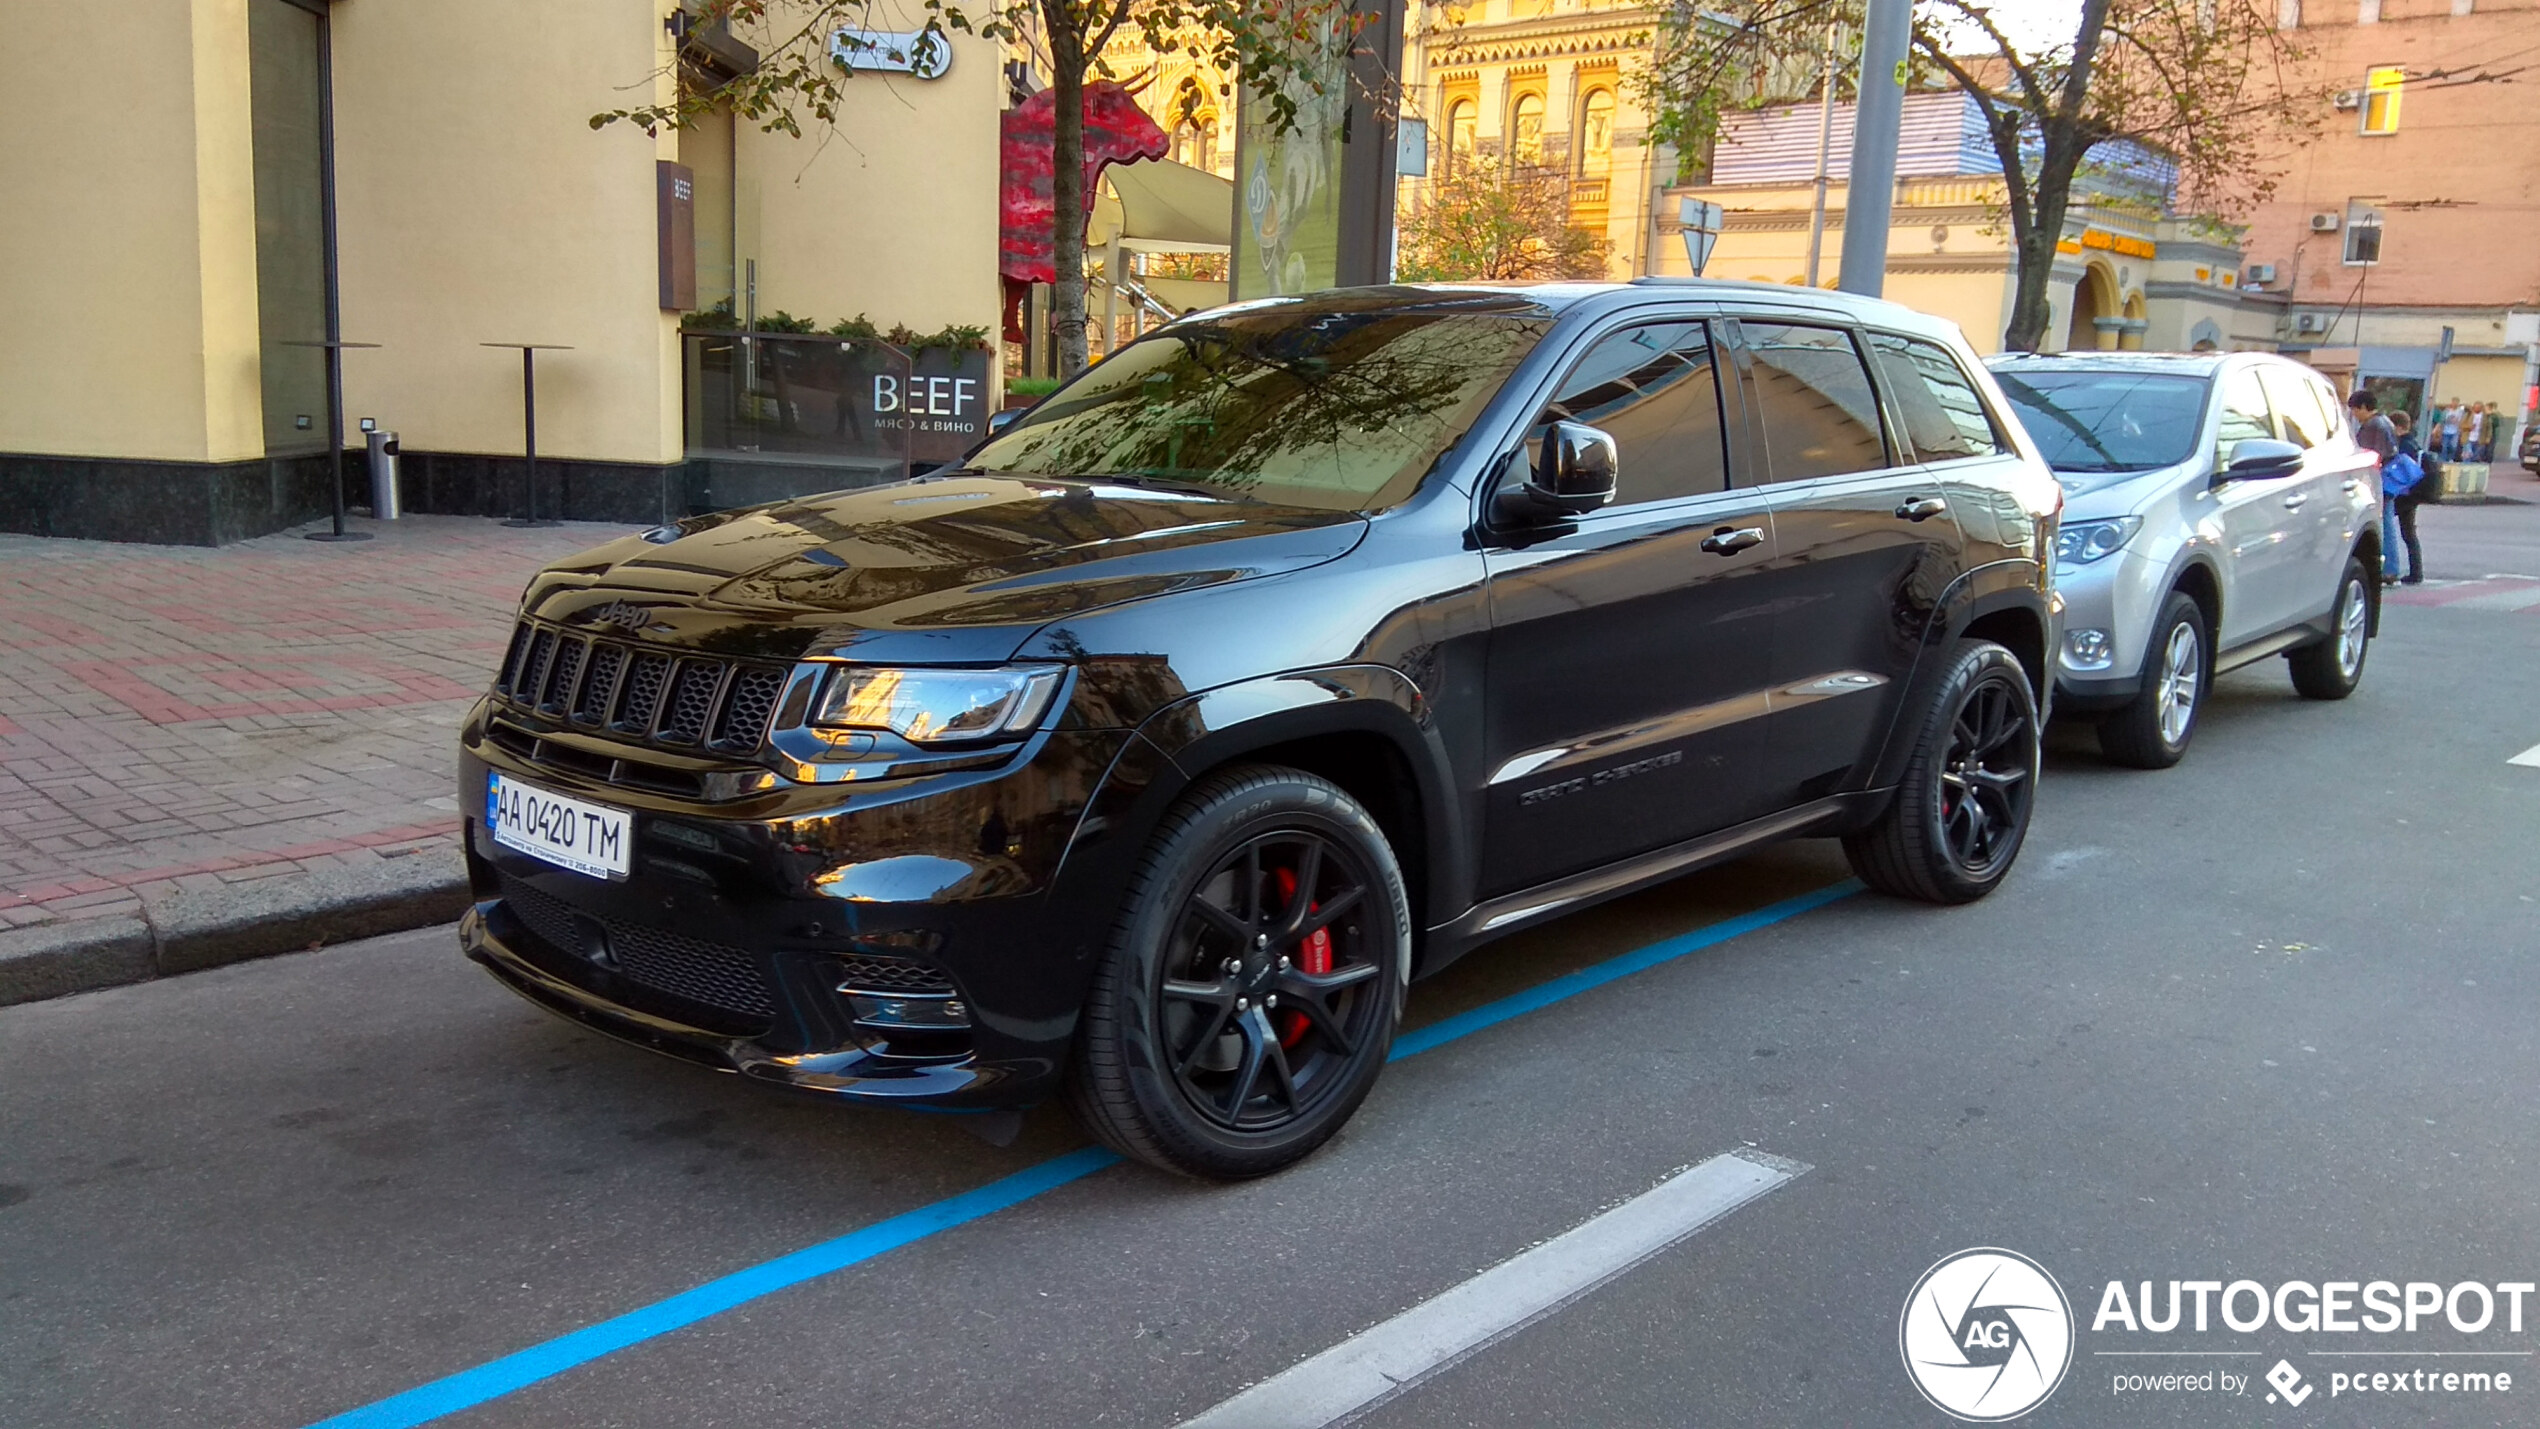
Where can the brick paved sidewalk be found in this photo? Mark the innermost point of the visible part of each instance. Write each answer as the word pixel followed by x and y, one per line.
pixel 178 719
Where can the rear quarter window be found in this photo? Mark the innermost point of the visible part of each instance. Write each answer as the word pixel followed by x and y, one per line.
pixel 1945 419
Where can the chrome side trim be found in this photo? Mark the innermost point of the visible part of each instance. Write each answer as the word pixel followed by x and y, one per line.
pixel 1668 729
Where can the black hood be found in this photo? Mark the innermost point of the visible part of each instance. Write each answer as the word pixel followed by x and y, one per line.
pixel 956 568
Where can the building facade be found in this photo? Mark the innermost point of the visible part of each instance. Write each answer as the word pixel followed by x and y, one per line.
pixel 173 255
pixel 2414 209
pixel 1553 84
pixel 2127 273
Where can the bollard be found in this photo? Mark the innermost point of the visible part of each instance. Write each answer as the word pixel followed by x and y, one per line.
pixel 383 475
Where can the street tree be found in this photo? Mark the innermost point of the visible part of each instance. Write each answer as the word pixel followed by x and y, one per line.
pixel 1487 218
pixel 2212 85
pixel 1279 50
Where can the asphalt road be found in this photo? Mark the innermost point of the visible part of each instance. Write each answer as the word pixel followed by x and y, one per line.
pixel 2267 1016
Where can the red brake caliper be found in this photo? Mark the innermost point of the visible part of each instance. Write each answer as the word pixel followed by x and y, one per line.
pixel 1313 956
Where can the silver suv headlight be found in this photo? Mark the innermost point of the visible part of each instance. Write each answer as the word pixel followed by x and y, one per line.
pixel 2081 542
pixel 930 706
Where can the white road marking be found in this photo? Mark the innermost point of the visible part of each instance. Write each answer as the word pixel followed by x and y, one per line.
pixel 2529 757
pixel 1379 1363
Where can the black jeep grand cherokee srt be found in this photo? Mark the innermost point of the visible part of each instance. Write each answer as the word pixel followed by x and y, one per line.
pixel 1277 660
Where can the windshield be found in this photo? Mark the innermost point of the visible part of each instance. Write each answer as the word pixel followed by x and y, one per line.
pixel 1340 411
pixel 2108 421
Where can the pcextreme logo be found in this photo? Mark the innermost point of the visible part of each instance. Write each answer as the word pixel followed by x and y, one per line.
pixel 1986 1334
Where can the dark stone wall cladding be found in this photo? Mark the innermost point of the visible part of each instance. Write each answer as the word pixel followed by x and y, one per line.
pixel 174 503
pixel 214 503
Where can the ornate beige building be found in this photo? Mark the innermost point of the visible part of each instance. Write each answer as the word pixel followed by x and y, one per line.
pixel 1544 82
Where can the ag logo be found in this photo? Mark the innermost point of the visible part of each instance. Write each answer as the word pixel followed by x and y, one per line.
pixel 1986 1335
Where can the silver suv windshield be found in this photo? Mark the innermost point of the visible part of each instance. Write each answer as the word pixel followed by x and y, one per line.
pixel 2089 421
pixel 1338 410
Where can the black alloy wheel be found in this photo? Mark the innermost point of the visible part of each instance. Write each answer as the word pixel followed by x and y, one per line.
pixel 1987 775
pixel 1250 996
pixel 1265 1000
pixel 1962 810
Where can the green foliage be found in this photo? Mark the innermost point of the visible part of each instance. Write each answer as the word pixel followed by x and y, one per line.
pixel 1030 386
pixel 952 337
pixel 1486 219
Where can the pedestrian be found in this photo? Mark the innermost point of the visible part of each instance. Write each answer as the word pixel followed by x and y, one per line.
pixel 2400 511
pixel 2450 433
pixel 2374 434
pixel 2491 424
pixel 2473 430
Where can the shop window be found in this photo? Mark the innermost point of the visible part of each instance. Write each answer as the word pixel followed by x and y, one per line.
pixel 2382 88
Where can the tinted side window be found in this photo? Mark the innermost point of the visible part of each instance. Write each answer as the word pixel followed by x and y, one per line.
pixel 1653 390
pixel 1820 418
pixel 1944 418
pixel 2305 425
pixel 2244 414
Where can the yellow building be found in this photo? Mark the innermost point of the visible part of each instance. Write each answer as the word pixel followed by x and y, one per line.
pixel 170 255
pixel 1549 83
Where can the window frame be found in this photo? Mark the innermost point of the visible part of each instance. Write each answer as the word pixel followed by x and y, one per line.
pixel 1613 106
pixel 2221 408
pixel 1907 454
pixel 1759 471
pixel 1729 410
pixel 2384 87
pixel 1517 158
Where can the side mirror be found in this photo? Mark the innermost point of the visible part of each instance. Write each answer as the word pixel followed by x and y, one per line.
pixel 1573 475
pixel 2261 459
pixel 1002 418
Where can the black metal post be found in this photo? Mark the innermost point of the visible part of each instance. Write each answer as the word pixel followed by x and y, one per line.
pixel 334 299
pixel 529 428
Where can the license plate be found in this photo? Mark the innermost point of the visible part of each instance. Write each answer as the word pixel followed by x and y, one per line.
pixel 569 833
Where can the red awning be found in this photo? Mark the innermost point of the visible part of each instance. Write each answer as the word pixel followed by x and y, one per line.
pixel 1116 131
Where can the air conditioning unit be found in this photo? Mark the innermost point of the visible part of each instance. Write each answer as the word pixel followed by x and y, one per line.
pixel 2348 99
pixel 2309 322
pixel 2324 223
pixel 2257 273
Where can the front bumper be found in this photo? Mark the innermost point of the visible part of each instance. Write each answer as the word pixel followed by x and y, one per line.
pixel 908 941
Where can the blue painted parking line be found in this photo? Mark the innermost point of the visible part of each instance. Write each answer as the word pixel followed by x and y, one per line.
pixel 523 1368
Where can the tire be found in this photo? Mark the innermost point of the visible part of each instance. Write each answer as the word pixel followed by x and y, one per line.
pixel 1958 819
pixel 1265 886
pixel 2330 669
pixel 2156 726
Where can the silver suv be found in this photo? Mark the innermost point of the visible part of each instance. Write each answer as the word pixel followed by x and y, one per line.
pixel 2217 511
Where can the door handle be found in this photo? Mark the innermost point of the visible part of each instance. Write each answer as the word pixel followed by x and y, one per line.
pixel 2353 486
pixel 1729 540
pixel 1921 508
pixel 2294 502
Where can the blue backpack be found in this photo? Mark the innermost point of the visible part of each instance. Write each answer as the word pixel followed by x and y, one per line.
pixel 2400 474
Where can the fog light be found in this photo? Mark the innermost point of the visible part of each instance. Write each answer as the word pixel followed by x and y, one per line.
pixel 2088 649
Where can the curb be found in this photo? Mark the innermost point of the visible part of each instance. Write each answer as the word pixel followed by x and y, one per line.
pixel 189 931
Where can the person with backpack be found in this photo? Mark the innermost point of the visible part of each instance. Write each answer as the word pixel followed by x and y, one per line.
pixel 2407 480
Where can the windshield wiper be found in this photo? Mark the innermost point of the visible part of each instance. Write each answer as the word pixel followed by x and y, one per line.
pixel 1158 481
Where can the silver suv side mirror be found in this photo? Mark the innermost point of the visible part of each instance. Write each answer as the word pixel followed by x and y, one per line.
pixel 2260 459
pixel 1573 475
